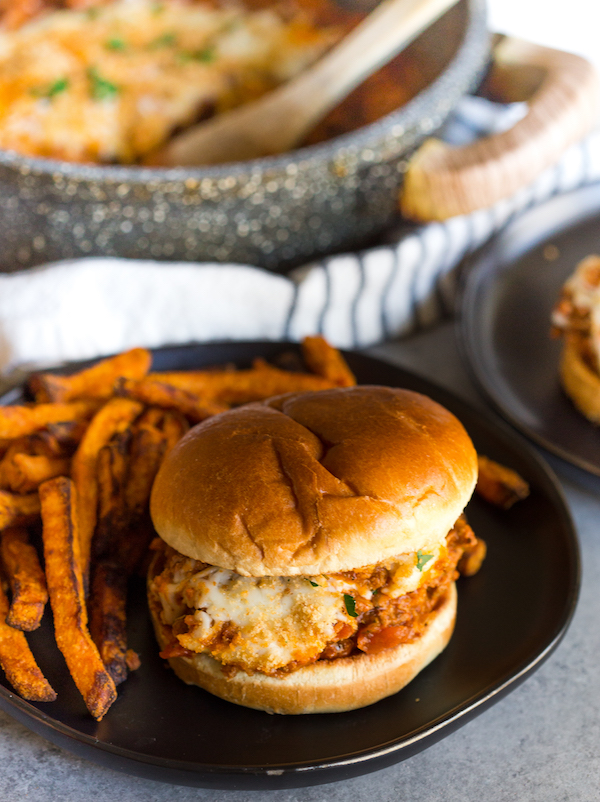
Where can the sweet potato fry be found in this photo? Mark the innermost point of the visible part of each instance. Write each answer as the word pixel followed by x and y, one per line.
pixel 14 447
pixel 26 579
pixel 159 394
pixel 111 475
pixel 147 451
pixel 20 420
pixel 23 473
pixel 65 586
pixel 174 427
pixel 18 510
pixel 18 662
pixel 242 386
pixel 108 623
pixel 152 416
pixel 114 417
pixel 326 361
pixel 133 548
pixel 94 382
pixel 472 558
pixel 63 438
pixel 132 659
pixel 500 485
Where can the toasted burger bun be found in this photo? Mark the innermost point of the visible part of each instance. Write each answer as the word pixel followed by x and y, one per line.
pixel 579 381
pixel 346 683
pixel 313 483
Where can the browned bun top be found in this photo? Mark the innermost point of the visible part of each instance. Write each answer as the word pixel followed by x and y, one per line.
pixel 313 483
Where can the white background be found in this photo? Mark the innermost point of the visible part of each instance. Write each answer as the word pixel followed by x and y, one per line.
pixel 572 25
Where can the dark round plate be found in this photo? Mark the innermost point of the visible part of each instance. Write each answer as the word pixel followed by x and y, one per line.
pixel 504 321
pixel 511 616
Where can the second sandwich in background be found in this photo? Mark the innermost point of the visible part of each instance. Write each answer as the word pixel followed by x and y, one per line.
pixel 577 317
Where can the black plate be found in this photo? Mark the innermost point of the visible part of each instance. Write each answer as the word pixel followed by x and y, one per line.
pixel 510 619
pixel 504 322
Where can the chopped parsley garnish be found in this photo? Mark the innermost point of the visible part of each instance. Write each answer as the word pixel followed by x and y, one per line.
pixel 165 40
pixel 205 55
pixel 350 605
pixel 314 584
pixel 54 89
pixel 158 8
pixel 93 13
pixel 116 43
pixel 101 88
pixel 423 559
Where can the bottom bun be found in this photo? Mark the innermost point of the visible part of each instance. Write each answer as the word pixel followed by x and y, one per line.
pixel 579 381
pixel 327 686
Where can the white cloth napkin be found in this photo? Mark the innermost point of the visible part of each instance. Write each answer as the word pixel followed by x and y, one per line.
pixel 88 307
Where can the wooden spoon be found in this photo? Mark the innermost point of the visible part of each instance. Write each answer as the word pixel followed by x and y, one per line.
pixel 281 119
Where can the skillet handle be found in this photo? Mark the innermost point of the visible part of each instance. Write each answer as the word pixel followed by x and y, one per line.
pixel 563 92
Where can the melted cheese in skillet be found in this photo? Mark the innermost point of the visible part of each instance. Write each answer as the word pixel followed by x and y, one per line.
pixel 112 83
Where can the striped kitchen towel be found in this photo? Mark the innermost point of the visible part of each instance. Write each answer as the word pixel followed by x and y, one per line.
pixel 89 307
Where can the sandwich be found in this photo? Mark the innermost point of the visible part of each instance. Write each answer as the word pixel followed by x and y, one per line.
pixel 576 317
pixel 308 547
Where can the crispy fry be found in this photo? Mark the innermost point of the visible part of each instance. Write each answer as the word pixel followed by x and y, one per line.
pixel 18 510
pixel 147 449
pixel 500 485
pixel 18 662
pixel 26 579
pixel 132 659
pixel 14 447
pixel 114 417
pixel 94 382
pixel 242 386
pixel 159 394
pixel 25 472
pixel 108 623
pixel 174 427
pixel 63 438
pixel 28 461
pixel 472 558
pixel 65 586
pixel 133 548
pixel 147 452
pixel 20 420
pixel 112 468
pixel 326 361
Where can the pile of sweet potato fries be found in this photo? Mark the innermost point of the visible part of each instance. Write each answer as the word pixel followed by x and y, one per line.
pixel 81 459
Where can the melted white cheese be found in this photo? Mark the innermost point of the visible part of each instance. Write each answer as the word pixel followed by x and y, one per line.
pixel 113 83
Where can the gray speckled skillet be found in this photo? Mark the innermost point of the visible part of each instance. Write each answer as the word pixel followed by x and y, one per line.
pixel 273 212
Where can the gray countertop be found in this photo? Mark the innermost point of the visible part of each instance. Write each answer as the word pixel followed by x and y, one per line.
pixel 541 742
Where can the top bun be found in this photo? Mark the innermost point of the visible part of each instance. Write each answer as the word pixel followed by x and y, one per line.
pixel 312 483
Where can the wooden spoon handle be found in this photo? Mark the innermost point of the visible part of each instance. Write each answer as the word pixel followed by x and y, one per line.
pixel 387 30
pixel 444 181
pixel 280 120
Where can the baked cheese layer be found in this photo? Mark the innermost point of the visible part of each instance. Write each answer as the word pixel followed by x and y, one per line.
pixel 112 83
pixel 267 623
